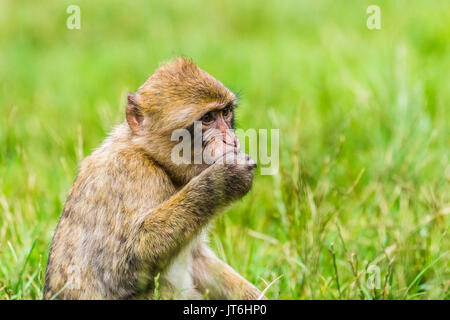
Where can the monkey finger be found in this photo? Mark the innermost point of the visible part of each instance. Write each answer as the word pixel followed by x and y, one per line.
pixel 249 161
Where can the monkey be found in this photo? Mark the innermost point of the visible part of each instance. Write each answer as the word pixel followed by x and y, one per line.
pixel 135 223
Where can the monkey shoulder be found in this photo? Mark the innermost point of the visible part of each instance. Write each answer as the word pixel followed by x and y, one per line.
pixel 124 179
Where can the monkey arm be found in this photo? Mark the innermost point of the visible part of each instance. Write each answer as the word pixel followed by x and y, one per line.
pixel 217 280
pixel 171 226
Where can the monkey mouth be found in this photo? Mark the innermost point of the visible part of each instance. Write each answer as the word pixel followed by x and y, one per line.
pixel 213 150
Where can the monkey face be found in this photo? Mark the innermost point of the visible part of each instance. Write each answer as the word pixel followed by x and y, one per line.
pixel 218 137
pixel 176 97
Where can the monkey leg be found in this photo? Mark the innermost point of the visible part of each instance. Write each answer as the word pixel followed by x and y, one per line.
pixel 218 281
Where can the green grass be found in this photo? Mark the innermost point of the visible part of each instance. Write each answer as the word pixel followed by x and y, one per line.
pixel 364 133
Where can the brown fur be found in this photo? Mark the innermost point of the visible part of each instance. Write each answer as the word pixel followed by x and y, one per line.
pixel 132 213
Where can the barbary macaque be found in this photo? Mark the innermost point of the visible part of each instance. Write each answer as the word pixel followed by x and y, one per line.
pixel 134 217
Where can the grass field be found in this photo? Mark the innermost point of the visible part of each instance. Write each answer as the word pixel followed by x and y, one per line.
pixel 360 206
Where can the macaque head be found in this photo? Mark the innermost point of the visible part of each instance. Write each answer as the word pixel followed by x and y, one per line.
pixel 180 96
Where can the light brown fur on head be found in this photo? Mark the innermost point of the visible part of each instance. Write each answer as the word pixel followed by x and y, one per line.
pixel 179 93
pixel 173 97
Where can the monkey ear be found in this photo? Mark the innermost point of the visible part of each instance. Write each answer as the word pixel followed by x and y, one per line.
pixel 134 115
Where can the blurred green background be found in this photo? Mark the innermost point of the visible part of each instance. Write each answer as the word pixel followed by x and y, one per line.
pixel 360 206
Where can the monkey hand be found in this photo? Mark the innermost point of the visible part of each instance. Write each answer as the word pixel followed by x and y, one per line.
pixel 235 173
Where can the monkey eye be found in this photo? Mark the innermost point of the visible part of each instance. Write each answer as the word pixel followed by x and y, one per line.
pixel 226 111
pixel 207 118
